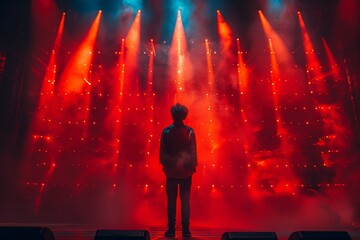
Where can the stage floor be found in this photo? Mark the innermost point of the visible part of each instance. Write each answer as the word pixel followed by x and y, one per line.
pixel 87 232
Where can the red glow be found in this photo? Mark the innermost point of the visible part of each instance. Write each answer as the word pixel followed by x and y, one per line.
pixel 48 175
pixel 255 125
pixel 275 72
pixel 179 59
pixel 309 48
pixel 243 72
pixel 127 64
pixel 209 65
pixel 128 72
pixel 278 55
pixel 332 62
pixel 132 45
pixel 46 98
pixel 225 32
pixel 150 102
pixel 212 129
pixel 313 64
pixel 277 51
pixel 282 53
pixel 274 66
pixel 275 78
pixel 50 75
pixel 122 69
pixel 47 89
pixel 151 69
pixel 38 198
pixel 76 77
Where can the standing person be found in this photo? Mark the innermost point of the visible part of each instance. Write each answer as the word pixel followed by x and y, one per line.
pixel 179 159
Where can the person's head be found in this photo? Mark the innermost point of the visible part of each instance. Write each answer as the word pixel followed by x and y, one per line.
pixel 179 112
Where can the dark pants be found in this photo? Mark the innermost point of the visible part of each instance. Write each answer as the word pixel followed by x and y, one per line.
pixel 172 192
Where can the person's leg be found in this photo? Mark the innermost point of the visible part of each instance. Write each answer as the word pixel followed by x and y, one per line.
pixel 171 192
pixel 185 186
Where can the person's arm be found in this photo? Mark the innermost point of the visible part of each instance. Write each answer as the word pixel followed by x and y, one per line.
pixel 165 158
pixel 162 150
pixel 193 150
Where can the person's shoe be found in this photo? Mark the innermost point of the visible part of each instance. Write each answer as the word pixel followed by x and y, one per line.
pixel 170 233
pixel 186 233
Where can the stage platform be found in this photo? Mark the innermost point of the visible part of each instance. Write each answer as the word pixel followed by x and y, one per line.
pixel 87 232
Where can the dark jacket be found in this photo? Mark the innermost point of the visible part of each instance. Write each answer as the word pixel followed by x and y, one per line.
pixel 178 151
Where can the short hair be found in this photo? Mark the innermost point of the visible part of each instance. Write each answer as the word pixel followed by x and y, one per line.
pixel 179 112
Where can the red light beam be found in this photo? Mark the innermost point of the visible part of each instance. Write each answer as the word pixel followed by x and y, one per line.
pixel 132 45
pixel 211 127
pixel 332 62
pixel 76 74
pixel 209 65
pixel 178 59
pixel 150 101
pixel 313 64
pixel 282 53
pixel 225 32
pixel 242 74
pixel 50 75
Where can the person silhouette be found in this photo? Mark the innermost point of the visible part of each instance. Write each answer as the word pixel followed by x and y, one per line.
pixel 178 156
